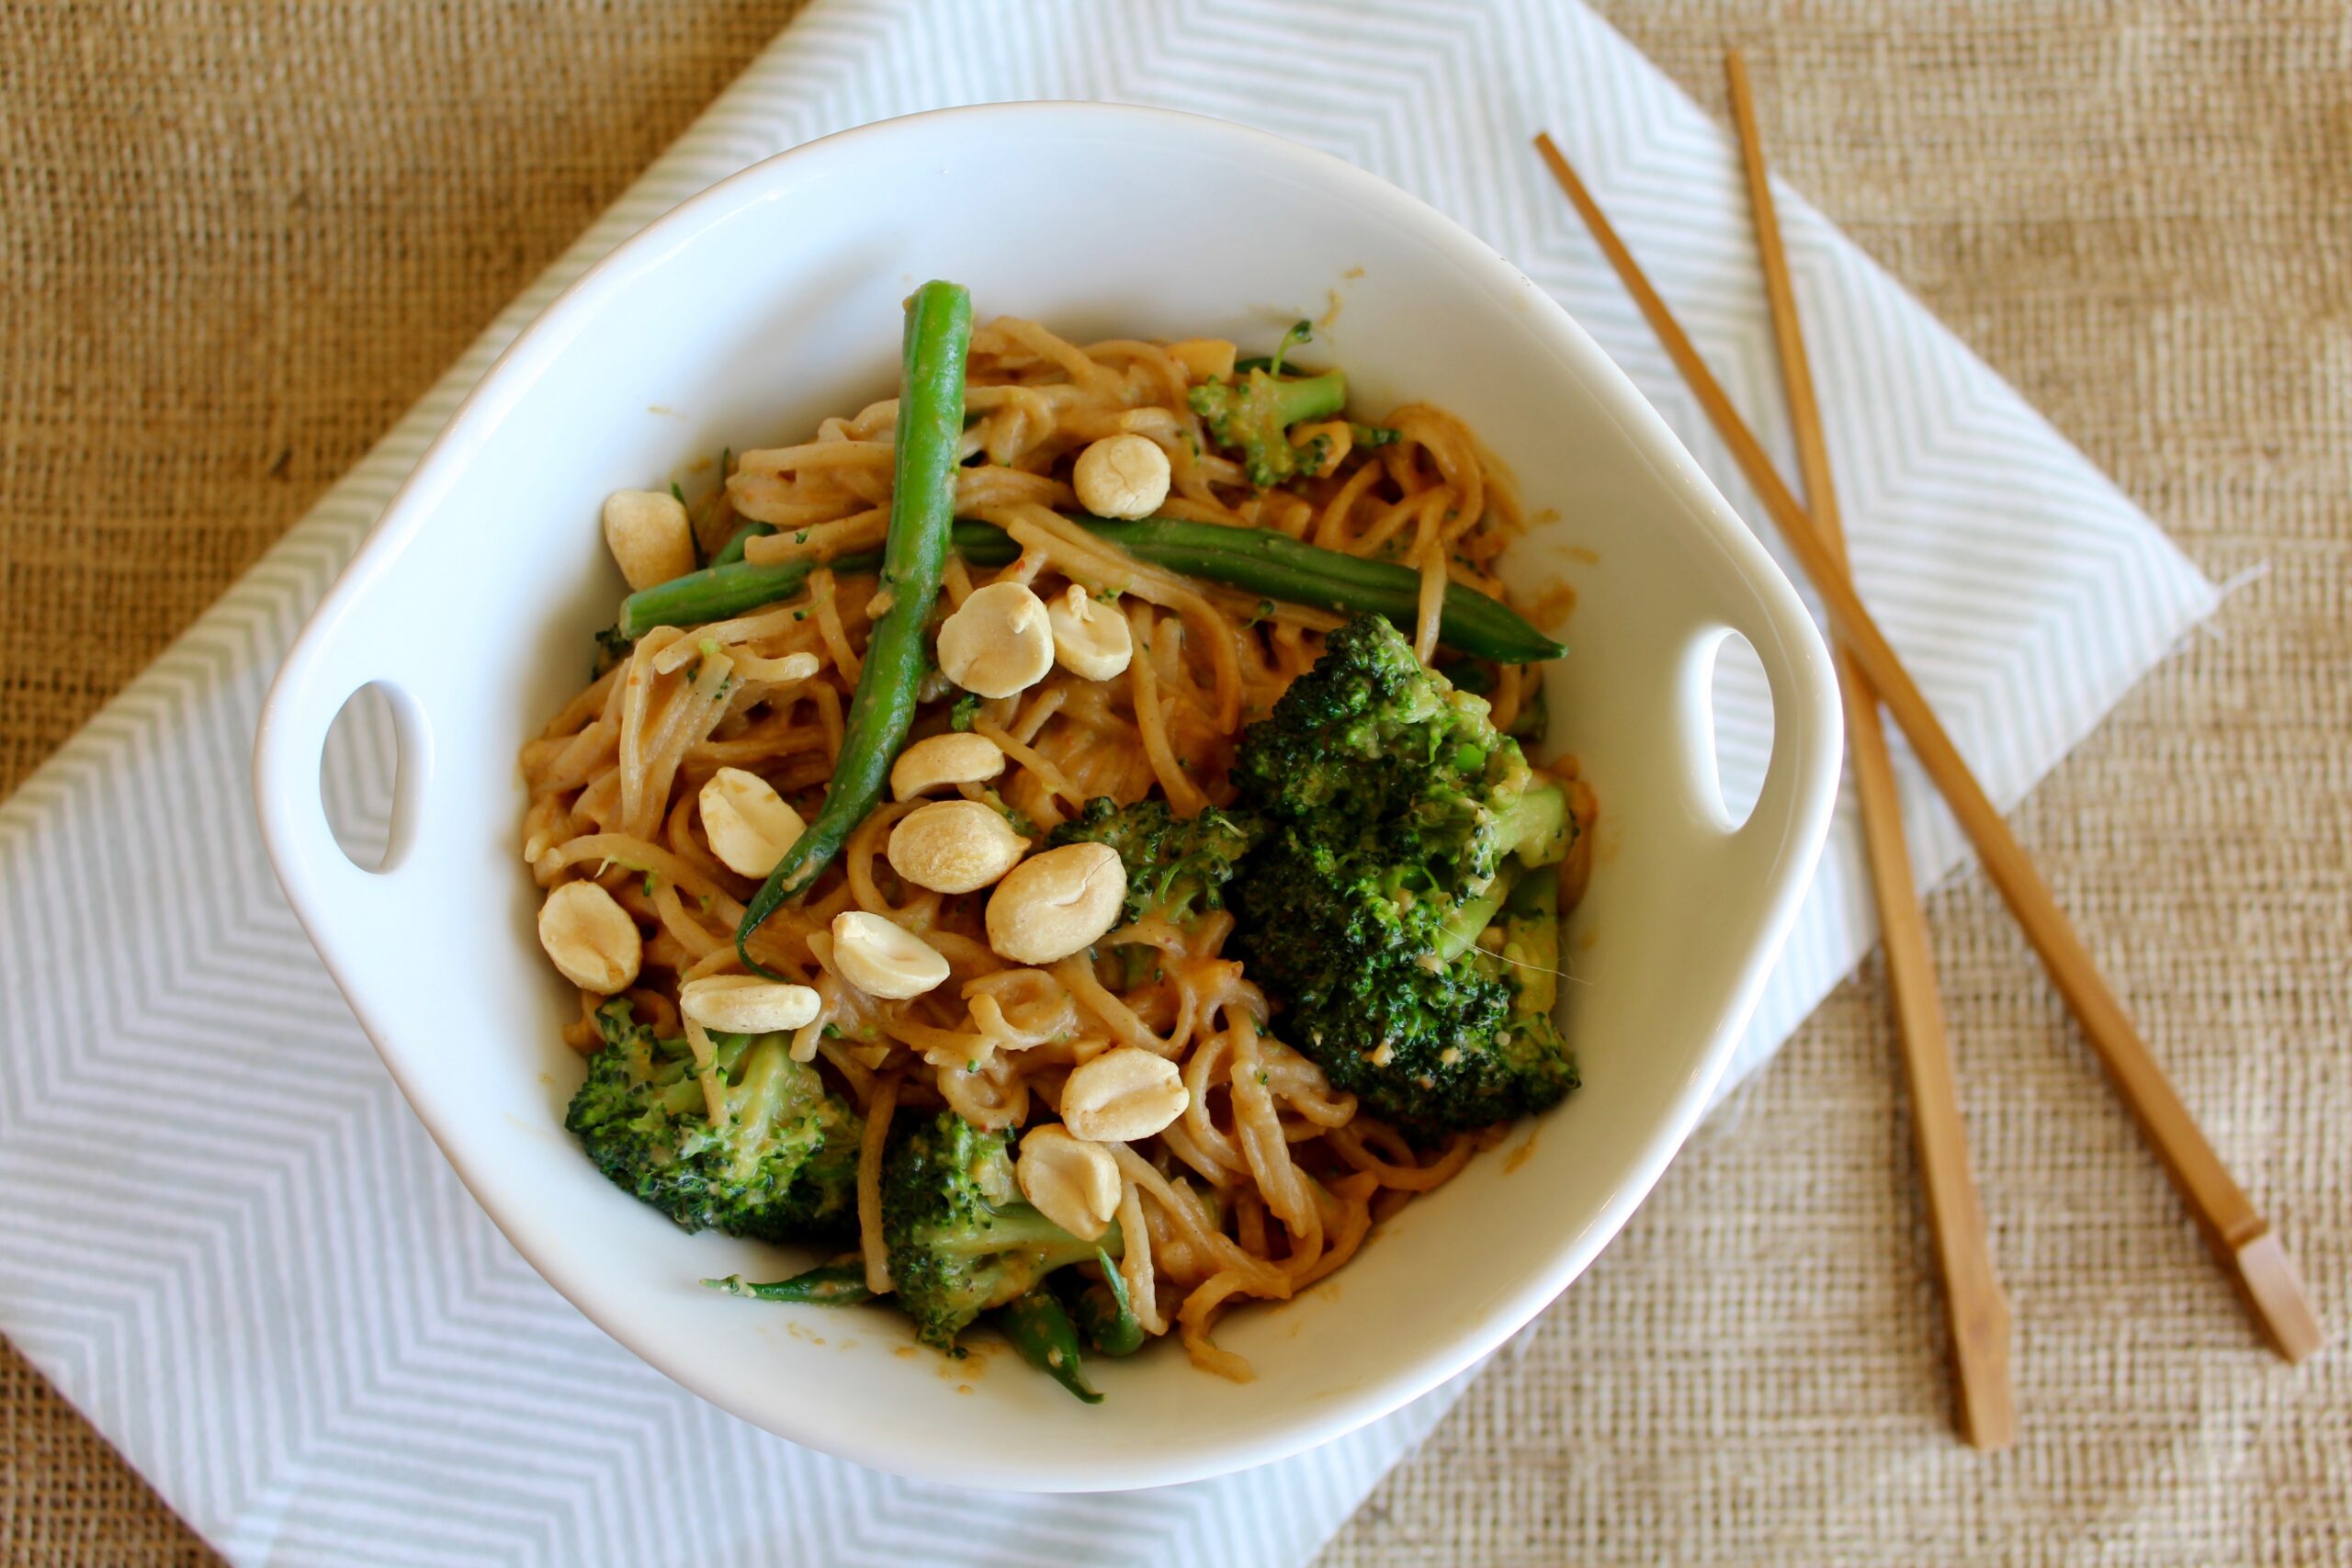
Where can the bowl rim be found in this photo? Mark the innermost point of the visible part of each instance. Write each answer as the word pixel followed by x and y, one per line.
pixel 284 737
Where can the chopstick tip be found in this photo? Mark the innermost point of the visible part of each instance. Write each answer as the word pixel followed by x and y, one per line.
pixel 2274 1287
pixel 1984 1400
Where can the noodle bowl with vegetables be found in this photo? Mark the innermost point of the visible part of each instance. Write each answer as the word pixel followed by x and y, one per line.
pixel 1059 842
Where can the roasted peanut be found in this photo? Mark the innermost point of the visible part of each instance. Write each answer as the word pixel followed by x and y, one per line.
pixel 748 824
pixel 1122 476
pixel 745 1004
pixel 883 958
pixel 590 938
pixel 1091 641
pixel 997 641
pixel 1057 903
pixel 953 758
pixel 954 846
pixel 648 536
pixel 1073 1182
pixel 1122 1094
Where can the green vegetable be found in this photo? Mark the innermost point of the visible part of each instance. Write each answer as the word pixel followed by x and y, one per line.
pixel 923 502
pixel 1255 410
pixel 1177 866
pixel 731 552
pixel 611 648
pixel 1531 950
pixel 1254 413
pixel 1301 332
pixel 1403 825
pixel 1041 1330
pixel 1106 1314
pixel 784 1165
pixel 963 711
pixel 1534 712
pixel 1263 561
pixel 828 1284
pixel 718 592
pixel 960 1239
pixel 1252 560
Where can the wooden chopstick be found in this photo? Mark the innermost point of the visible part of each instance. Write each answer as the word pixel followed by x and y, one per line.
pixel 2241 1239
pixel 1977 1313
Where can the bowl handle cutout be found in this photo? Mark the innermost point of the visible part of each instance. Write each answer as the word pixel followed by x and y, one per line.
pixel 1752 738
pixel 359 777
pixel 1731 737
pixel 340 768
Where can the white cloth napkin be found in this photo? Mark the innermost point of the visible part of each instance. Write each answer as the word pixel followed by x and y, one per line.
pixel 223 1237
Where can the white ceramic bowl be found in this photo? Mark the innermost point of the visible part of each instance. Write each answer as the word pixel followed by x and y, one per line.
pixel 774 298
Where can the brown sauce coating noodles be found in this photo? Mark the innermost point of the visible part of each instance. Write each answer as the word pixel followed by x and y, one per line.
pixel 1269 1180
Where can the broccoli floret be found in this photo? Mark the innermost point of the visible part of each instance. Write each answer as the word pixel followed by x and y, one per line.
pixel 782 1168
pixel 1525 940
pixel 1255 410
pixel 960 1239
pixel 1401 821
pixel 1369 738
pixel 1302 331
pixel 1477 676
pixel 1177 866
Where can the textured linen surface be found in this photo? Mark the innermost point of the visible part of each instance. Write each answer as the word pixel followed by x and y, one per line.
pixel 1747 1372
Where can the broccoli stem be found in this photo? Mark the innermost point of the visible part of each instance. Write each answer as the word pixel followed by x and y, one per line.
pixel 760 1084
pixel 1311 396
pixel 1041 1330
pixel 1469 918
pixel 1301 332
pixel 1013 1226
pixel 1532 824
pixel 1534 898
pixel 1528 828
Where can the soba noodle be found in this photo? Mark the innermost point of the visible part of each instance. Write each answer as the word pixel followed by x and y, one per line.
pixel 1269 1180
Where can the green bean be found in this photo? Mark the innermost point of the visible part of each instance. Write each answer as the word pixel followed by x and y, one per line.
pixel 1107 1314
pixel 732 550
pixel 828 1284
pixel 731 588
pixel 1275 566
pixel 914 553
pixel 1041 1330
pixel 714 594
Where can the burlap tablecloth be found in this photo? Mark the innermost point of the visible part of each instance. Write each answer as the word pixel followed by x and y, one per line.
pixel 239 241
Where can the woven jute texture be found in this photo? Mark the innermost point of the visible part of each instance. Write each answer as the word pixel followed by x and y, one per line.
pixel 239 241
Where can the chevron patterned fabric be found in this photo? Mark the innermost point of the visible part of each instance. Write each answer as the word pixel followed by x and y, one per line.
pixel 277 1301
